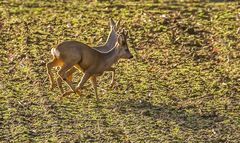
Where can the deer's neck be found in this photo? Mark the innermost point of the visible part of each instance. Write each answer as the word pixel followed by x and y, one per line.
pixel 111 57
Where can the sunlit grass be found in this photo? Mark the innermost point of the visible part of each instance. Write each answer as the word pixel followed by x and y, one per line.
pixel 183 84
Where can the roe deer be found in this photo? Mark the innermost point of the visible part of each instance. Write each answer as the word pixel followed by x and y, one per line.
pixel 90 61
pixel 109 44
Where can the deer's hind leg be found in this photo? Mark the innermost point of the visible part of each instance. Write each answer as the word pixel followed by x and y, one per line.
pixel 63 75
pixel 55 62
pixel 69 74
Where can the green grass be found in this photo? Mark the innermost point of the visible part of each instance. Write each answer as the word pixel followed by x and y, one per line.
pixel 183 84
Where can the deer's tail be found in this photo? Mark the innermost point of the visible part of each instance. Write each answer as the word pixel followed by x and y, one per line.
pixel 55 52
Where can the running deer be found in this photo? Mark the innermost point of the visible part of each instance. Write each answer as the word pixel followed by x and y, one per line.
pixel 107 46
pixel 90 61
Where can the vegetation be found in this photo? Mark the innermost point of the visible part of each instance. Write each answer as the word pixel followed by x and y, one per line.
pixel 183 84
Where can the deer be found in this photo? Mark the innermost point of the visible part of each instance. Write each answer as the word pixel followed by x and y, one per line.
pixel 107 46
pixel 90 61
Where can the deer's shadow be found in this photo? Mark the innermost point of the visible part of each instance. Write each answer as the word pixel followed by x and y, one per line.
pixel 194 121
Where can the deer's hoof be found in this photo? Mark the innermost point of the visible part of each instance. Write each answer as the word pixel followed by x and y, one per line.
pixel 64 94
pixel 52 86
pixel 78 92
pixel 67 93
pixel 113 84
pixel 77 88
pixel 98 101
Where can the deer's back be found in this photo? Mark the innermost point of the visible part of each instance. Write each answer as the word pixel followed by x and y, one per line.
pixel 77 52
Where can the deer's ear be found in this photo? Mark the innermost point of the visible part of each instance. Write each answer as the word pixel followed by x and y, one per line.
pixel 117 24
pixel 126 33
pixel 119 39
pixel 123 31
pixel 111 22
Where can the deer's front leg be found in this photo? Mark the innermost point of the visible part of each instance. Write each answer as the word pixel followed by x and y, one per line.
pixel 113 76
pixel 94 84
pixel 85 77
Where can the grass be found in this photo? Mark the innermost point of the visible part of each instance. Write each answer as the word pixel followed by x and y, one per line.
pixel 183 84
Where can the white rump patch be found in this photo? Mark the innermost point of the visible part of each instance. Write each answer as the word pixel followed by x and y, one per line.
pixel 55 52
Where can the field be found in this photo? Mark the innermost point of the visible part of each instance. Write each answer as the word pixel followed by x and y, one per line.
pixel 183 84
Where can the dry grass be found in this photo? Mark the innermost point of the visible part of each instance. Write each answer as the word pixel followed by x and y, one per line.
pixel 182 86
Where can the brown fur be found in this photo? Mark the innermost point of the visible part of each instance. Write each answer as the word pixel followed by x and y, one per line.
pixel 107 46
pixel 90 61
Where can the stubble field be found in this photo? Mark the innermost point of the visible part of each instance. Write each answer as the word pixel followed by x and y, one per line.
pixel 183 84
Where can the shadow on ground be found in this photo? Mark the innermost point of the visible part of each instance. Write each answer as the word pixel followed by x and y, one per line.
pixel 141 108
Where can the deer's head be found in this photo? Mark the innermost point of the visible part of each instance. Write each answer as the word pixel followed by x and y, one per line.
pixel 123 49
